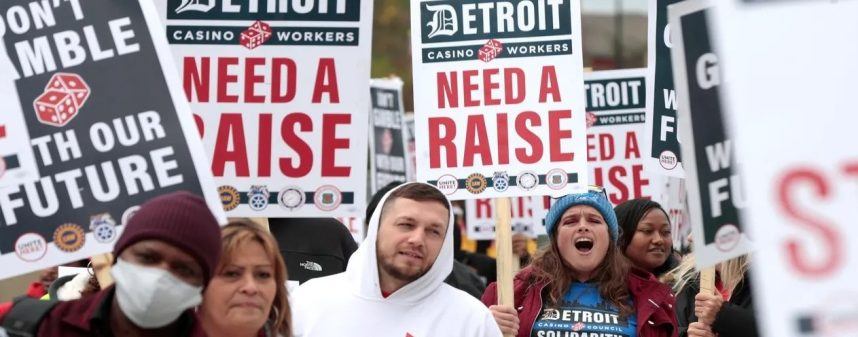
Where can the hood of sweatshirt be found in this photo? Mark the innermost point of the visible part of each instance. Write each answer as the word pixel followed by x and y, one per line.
pixel 362 270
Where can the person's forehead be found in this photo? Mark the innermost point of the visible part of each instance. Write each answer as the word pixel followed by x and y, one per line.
pixel 578 209
pixel 428 210
pixel 165 249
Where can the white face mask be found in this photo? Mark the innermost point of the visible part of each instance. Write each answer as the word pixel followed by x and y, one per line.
pixel 152 297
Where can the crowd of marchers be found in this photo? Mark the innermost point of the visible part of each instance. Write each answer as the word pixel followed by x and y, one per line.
pixel 606 271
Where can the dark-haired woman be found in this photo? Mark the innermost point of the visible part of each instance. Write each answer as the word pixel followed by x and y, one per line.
pixel 581 283
pixel 645 236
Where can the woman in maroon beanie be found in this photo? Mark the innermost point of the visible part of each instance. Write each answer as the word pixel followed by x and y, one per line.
pixel 165 257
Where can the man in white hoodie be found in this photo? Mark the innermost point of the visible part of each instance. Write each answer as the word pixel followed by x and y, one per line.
pixel 394 283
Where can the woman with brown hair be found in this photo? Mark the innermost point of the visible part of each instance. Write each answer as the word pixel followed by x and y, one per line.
pixel 581 283
pixel 247 296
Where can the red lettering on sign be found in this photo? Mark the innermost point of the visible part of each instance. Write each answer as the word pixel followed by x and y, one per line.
pixel 294 141
pixel 251 79
pixel 484 208
pixel 477 141
pixel 523 130
pixel 2 131
pixel 225 78
pixel 436 142
pixel 557 135
pixel 197 80
pixel 200 126
pixel 823 228
pixel 623 183
pixel 330 144
pixel 326 82
pixel 503 139
pixel 278 95
pixel 448 87
pixel 549 85
pixel 632 148
pixel 264 145
pixel 230 131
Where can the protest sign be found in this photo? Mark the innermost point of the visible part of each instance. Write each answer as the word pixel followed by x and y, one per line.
pixel 615 125
pixel 715 193
pixel 410 147
pixel 388 156
pixel 498 105
pixel 526 217
pixel 107 122
pixel 791 103
pixel 279 92
pixel 17 162
pixel 661 145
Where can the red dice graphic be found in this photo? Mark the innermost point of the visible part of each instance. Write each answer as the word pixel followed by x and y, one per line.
pixel 255 35
pixel 64 96
pixel 490 50
pixel 55 107
pixel 71 83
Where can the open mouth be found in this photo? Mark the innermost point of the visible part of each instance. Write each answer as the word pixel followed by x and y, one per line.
pixel 412 255
pixel 584 245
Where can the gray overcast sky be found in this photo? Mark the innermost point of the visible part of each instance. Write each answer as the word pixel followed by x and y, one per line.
pixel 607 6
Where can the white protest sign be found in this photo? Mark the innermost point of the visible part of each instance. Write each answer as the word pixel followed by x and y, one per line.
pixel 387 143
pixel 716 197
pixel 108 124
pixel 499 104
pixel 661 145
pixel 526 217
pixel 280 96
pixel 791 103
pixel 410 147
pixel 616 123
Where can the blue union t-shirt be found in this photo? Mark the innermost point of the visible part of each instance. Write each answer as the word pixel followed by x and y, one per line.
pixel 584 313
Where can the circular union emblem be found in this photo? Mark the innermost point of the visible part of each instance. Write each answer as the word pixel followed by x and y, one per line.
pixel 556 179
pixel 476 183
pixel 668 160
pixel 447 184
pixel 327 198
pixel 291 198
pixel 727 237
pixel 31 247
pixel 228 197
pixel 69 237
pixel 527 181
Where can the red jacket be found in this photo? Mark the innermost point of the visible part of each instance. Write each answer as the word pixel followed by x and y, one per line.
pixel 653 301
pixel 78 318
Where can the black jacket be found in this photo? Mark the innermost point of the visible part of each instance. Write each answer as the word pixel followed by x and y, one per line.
pixel 465 279
pixel 736 318
pixel 313 247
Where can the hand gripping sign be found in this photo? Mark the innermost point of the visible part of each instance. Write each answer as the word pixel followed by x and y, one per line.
pixel 796 143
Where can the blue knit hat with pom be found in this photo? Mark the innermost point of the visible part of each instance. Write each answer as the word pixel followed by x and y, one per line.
pixel 595 199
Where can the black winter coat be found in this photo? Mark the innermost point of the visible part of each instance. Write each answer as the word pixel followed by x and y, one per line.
pixel 736 318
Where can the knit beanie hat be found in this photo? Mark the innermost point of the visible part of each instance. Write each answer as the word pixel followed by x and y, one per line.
pixel 595 199
pixel 181 219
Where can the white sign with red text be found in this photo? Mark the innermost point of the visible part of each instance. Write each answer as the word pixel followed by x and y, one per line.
pixel 526 217
pixel 280 93
pixel 498 102
pixel 616 123
pixel 794 119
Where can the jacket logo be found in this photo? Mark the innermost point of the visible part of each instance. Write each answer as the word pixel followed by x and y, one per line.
pixel 310 265
pixel 195 5
pixel 444 20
